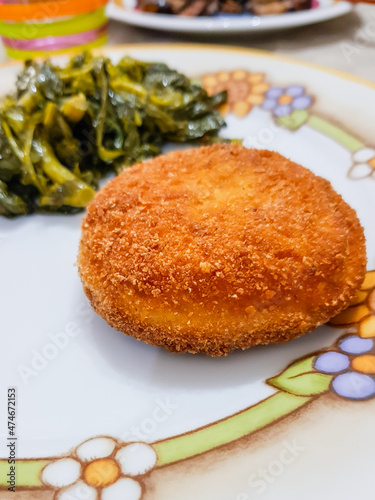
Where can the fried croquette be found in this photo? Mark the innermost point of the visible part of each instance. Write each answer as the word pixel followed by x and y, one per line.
pixel 219 248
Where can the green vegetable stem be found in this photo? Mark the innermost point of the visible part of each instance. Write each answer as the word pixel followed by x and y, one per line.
pixel 63 128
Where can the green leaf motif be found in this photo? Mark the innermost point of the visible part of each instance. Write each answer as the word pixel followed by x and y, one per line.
pixel 301 379
pixel 294 121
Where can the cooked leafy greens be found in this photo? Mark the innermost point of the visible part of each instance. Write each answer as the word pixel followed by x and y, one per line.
pixel 66 127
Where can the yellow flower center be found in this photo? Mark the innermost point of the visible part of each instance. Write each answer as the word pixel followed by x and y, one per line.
pixel 364 364
pixel 372 162
pixel 101 472
pixel 285 99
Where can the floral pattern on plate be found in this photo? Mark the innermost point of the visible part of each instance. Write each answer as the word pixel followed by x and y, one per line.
pixel 283 101
pixel 100 469
pixel 245 90
pixel 290 107
pixel 103 468
pixel 363 164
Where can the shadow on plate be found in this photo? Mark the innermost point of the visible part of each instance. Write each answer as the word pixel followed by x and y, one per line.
pixel 156 368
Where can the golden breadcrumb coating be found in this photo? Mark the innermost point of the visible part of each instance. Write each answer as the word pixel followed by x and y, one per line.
pixel 219 248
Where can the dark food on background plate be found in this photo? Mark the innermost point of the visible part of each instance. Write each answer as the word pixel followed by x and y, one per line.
pixel 65 127
pixel 195 8
pixel 219 248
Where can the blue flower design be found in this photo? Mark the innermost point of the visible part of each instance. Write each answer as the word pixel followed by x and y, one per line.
pixel 283 101
pixel 352 367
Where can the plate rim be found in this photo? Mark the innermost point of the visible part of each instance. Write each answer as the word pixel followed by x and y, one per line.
pixel 186 24
pixel 206 46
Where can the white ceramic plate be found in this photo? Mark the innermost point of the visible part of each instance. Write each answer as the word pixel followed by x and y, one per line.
pixel 285 421
pixel 124 10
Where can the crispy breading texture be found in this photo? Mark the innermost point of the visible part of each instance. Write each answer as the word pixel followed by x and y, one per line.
pixel 219 248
